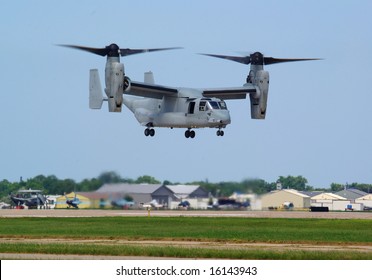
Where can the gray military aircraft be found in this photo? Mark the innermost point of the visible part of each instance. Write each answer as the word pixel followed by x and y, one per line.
pixel 30 198
pixel 155 105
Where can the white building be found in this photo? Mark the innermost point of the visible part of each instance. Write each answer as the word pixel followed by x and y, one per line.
pixel 335 202
pixel 365 200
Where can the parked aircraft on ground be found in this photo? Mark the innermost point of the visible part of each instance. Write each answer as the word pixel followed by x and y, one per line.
pixel 73 202
pixel 30 198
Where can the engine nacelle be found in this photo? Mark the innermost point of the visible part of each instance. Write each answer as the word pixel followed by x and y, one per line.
pixel 259 99
pixel 127 83
pixel 114 73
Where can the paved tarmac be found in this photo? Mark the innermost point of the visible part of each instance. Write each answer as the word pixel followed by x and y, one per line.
pixel 177 213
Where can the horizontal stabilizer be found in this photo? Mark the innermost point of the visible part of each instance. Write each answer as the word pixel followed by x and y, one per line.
pixel 95 90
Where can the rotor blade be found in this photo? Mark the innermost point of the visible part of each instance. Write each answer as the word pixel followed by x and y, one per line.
pixel 240 59
pixel 98 51
pixel 272 60
pixel 126 52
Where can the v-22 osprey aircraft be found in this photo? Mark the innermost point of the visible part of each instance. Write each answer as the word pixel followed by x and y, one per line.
pixel 155 105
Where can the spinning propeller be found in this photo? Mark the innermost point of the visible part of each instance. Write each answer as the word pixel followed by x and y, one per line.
pixel 257 58
pixel 113 50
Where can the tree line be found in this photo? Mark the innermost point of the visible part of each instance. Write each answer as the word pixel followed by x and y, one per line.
pixel 52 185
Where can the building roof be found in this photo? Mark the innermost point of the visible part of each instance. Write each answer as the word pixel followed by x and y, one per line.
pixel 351 193
pixel 327 196
pixel 290 191
pixel 295 192
pixel 366 197
pixel 129 188
pixel 182 191
pixel 311 193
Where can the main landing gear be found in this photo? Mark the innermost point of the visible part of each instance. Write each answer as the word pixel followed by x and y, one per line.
pixel 149 132
pixel 189 133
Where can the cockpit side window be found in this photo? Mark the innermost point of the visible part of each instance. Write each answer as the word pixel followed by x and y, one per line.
pixel 202 105
pixel 223 105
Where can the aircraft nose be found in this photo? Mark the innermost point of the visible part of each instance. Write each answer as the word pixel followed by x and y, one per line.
pixel 222 117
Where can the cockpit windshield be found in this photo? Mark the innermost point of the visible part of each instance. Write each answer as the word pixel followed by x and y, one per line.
pixel 212 105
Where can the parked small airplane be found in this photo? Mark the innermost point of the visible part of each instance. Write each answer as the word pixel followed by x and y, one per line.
pixel 152 204
pixel 73 202
pixel 175 107
pixel 30 198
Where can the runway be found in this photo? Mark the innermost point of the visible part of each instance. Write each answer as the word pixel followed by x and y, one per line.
pixel 12 213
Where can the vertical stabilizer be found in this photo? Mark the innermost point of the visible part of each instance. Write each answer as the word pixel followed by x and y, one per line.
pixel 95 90
pixel 149 78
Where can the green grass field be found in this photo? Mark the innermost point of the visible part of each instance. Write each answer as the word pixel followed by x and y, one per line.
pixel 220 230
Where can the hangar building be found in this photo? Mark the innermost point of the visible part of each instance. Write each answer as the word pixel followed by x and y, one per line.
pixel 351 194
pixel 277 198
pixel 141 193
pixel 144 193
pixel 365 200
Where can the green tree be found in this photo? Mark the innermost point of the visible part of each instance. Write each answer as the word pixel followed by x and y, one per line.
pixel 109 177
pixel 257 186
pixel 295 182
pixel 337 187
pixel 88 185
pixel 146 179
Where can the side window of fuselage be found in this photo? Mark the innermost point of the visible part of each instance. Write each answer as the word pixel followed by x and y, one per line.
pixel 202 106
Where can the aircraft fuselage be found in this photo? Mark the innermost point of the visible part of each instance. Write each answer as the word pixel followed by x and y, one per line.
pixel 183 111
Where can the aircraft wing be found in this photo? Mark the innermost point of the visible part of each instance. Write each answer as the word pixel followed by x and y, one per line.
pixel 230 93
pixel 151 90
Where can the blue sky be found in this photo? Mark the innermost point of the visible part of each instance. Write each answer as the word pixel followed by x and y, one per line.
pixel 318 122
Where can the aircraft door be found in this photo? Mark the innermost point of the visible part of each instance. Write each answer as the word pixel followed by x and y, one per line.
pixel 191 108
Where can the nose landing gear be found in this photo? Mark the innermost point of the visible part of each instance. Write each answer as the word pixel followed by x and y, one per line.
pixel 189 133
pixel 220 132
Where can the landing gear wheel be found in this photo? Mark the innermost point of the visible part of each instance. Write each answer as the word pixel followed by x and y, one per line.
pixel 220 133
pixel 189 133
pixel 149 132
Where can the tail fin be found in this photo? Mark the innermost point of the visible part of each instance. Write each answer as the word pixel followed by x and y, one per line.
pixel 95 90
pixel 149 78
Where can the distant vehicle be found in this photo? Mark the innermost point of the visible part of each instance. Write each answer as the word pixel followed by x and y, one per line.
pixel 287 205
pixel 184 205
pixel 366 208
pixel 31 198
pixel 349 207
pixel 73 202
